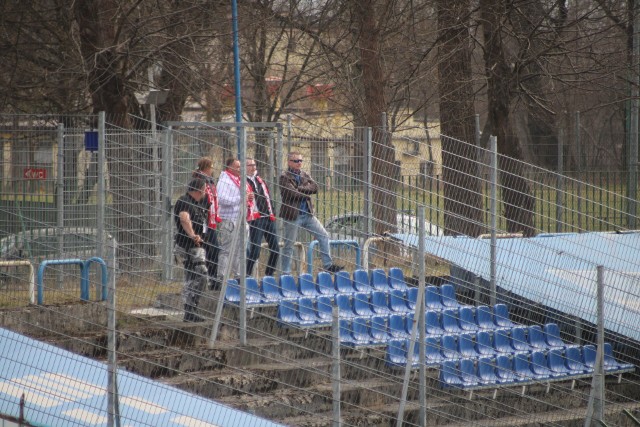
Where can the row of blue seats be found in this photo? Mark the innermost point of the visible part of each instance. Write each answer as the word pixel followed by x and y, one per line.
pixel 519 339
pixel 452 321
pixel 557 364
pixel 270 291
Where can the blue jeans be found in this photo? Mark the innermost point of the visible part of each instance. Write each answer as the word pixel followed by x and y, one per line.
pixel 262 227
pixel 290 234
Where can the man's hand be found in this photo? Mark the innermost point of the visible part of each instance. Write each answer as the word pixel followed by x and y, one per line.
pixel 197 240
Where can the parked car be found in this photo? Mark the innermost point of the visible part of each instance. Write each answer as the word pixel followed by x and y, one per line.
pixel 42 244
pixel 351 226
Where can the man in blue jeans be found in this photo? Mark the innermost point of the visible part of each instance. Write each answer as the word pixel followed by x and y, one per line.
pixel 296 189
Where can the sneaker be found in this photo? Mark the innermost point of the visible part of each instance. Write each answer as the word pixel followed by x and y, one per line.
pixel 333 268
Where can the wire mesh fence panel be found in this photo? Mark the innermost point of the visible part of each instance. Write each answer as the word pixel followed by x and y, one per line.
pixel 490 301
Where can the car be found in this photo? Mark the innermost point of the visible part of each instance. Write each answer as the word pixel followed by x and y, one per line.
pixel 351 226
pixel 43 244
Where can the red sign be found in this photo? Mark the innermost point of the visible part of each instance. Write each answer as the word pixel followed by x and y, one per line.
pixel 35 173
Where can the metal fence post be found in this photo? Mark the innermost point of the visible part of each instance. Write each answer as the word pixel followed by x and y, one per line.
pixel 493 143
pixel 100 197
pixel 166 213
pixel 579 163
pixel 368 180
pixel 422 422
pixel 60 196
pixel 335 366
pixel 595 407
pixel 560 182
pixel 113 412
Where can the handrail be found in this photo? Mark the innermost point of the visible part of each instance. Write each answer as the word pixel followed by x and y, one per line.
pixel 48 262
pixel 84 276
pixel 32 281
pixel 84 281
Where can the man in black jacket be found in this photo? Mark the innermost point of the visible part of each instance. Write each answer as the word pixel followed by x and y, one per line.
pixel 296 189
pixel 190 215
pixel 264 223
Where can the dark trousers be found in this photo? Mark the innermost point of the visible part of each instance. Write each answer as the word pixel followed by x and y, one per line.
pixel 259 228
pixel 212 251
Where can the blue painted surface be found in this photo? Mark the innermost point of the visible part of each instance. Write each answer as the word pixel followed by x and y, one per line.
pixel 64 389
pixel 558 271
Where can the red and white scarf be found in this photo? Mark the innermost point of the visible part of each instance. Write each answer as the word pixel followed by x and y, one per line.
pixel 265 189
pixel 252 211
pixel 212 196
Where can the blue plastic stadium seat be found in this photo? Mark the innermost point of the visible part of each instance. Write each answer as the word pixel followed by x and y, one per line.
pixel 254 296
pixel 504 369
pixel 468 373
pixel 450 347
pixel 450 374
pixel 557 364
pixel 307 286
pixel 484 344
pixel 232 294
pixel 379 280
pixel 380 303
pixel 325 308
pixel 345 332
pixel 522 367
pixel 613 364
pixel 573 359
pixel 487 371
pixel 535 337
pixel 466 346
pixel 484 318
pixel 379 330
pixel 270 290
pixel 345 308
pixel 433 351
pixel 501 316
pixel 396 355
pixel 398 302
pixel 343 283
pixel 287 312
pixel 307 312
pixel 397 326
pixel 502 342
pixel 539 365
pixel 361 331
pixel 519 340
pixel 450 322
pixel 288 287
pixel 448 294
pixel 325 284
pixel 412 298
pixel 467 319
pixel 361 281
pixel 396 279
pixel 589 356
pixel 432 298
pixel 361 305
pixel 432 323
pixel 552 336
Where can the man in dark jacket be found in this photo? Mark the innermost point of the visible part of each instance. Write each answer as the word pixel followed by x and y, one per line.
pixel 296 189
pixel 263 225
pixel 190 216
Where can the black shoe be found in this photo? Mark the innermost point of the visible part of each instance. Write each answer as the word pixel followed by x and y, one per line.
pixel 193 318
pixel 214 284
pixel 333 268
pixel 190 315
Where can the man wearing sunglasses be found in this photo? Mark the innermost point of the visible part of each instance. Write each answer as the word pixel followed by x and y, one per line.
pixel 296 189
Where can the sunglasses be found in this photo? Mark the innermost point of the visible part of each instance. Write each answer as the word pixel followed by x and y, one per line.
pixel 296 161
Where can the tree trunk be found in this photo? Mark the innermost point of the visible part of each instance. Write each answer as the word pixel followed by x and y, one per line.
pixel 516 193
pixel 462 191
